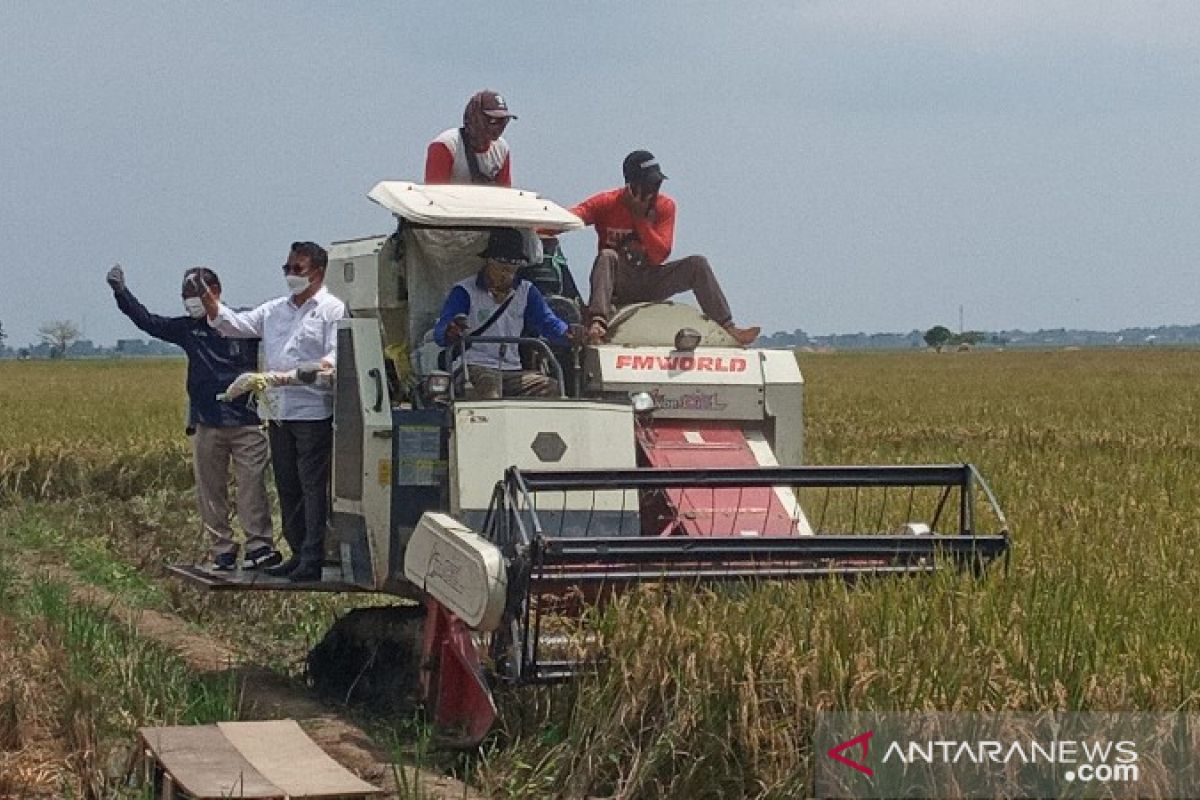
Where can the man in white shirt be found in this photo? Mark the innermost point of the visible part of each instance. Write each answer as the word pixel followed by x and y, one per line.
pixel 298 330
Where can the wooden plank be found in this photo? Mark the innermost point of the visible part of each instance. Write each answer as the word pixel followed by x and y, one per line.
pixel 282 753
pixel 203 763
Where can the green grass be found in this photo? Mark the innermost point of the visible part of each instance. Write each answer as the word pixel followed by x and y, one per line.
pixel 99 681
pixel 127 679
pixel 56 532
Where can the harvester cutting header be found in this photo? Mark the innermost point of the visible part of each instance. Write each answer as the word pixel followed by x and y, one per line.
pixel 662 450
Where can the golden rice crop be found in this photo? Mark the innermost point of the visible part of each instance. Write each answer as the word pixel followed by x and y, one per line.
pixel 1093 455
pixel 77 427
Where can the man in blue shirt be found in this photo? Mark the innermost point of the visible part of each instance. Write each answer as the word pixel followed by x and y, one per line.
pixel 495 302
pixel 223 432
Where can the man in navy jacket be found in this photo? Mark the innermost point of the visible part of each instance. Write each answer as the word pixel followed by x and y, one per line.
pixel 223 431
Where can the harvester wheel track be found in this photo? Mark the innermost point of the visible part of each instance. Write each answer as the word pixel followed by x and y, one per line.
pixel 371 656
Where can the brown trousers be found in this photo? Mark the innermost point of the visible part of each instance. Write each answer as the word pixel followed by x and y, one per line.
pixel 615 281
pixel 492 384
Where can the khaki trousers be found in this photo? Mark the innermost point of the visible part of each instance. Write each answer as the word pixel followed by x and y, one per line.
pixel 212 451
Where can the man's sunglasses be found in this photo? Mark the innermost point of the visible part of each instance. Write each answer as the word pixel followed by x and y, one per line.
pixel 509 262
pixel 294 269
pixel 497 122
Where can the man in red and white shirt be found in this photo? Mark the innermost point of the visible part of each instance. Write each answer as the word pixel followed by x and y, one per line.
pixel 476 152
pixel 635 225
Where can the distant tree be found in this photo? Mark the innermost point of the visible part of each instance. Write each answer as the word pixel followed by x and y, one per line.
pixel 938 337
pixel 967 337
pixel 3 335
pixel 59 335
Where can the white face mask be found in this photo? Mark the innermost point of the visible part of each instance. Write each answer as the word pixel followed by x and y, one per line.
pixel 194 307
pixel 297 284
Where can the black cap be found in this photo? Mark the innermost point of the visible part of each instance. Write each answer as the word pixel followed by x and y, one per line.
pixel 642 167
pixel 198 280
pixel 506 245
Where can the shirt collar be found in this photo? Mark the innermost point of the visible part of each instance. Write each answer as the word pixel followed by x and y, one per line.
pixel 316 298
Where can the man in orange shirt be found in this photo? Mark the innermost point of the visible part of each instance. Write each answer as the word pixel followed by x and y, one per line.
pixel 635 225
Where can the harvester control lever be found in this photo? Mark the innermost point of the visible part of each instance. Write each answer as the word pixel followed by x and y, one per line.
pixel 456 351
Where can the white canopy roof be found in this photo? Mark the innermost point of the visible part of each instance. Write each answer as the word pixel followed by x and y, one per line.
pixel 455 205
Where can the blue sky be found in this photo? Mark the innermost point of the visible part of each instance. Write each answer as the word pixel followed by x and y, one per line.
pixel 847 165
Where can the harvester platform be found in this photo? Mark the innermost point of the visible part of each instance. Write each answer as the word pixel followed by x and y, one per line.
pixel 219 580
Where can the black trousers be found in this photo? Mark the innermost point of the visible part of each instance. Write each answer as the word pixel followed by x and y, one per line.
pixel 300 456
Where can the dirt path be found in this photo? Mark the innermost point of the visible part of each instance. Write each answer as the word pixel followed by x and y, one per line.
pixel 267 695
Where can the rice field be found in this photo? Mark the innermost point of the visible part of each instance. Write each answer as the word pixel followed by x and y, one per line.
pixel 1093 455
pixel 73 428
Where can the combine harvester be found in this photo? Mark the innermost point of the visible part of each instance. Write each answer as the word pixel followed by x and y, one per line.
pixel 672 455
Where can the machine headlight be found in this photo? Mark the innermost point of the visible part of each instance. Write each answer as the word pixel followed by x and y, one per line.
pixel 643 403
pixel 687 339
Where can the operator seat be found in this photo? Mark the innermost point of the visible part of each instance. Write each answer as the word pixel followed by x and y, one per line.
pixel 552 277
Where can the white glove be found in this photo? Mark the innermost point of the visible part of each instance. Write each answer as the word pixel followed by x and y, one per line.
pixel 259 382
pixel 244 383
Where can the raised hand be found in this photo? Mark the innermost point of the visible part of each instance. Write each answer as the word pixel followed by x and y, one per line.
pixel 116 278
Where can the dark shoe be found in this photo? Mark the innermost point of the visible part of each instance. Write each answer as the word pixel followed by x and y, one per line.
pixel 262 558
pixel 224 562
pixel 284 569
pixel 305 573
